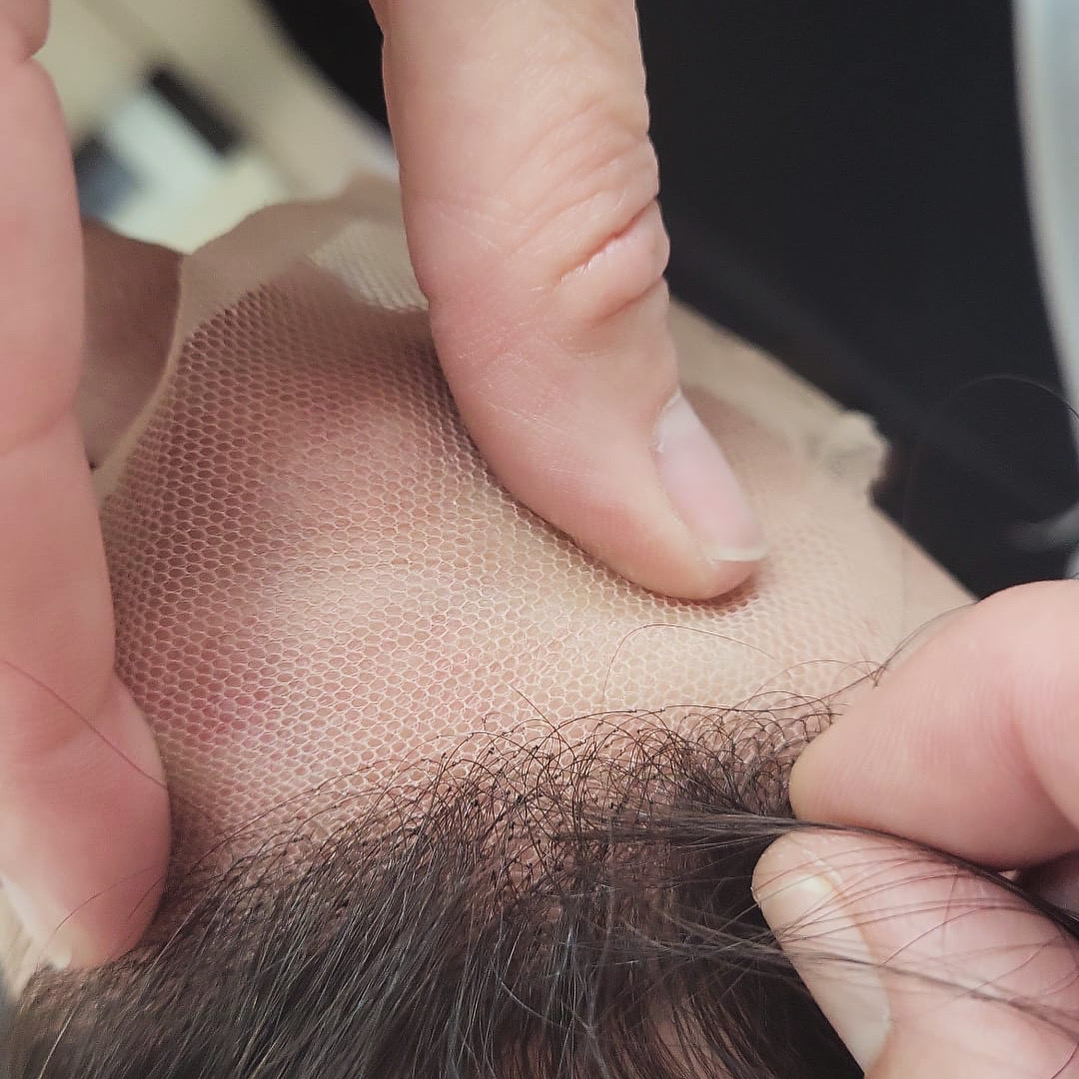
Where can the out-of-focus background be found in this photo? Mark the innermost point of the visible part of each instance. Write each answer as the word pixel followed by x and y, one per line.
pixel 843 182
pixel 186 117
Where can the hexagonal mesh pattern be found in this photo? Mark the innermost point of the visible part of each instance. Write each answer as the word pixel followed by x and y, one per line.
pixel 314 573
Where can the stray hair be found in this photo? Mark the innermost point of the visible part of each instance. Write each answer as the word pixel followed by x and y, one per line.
pixel 534 911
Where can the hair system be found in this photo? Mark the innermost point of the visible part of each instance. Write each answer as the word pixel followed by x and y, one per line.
pixel 579 911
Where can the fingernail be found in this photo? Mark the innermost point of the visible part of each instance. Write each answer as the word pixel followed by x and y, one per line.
pixel 703 488
pixel 40 927
pixel 831 956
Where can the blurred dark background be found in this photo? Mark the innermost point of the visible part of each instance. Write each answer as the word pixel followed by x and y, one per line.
pixel 843 183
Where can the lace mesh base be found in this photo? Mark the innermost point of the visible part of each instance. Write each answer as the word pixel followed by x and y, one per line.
pixel 315 575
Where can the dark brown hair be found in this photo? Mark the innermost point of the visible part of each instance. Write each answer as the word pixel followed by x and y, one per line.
pixel 555 911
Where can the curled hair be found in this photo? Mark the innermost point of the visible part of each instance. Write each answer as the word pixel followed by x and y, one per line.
pixel 563 910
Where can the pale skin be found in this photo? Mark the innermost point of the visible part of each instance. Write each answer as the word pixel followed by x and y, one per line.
pixel 995 690
pixel 970 746
pixel 552 308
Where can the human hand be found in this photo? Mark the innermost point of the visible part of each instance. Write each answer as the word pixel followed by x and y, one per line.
pixel 971 747
pixel 530 189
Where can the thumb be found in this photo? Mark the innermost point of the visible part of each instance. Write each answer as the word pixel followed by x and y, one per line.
pixel 529 187
pixel 923 967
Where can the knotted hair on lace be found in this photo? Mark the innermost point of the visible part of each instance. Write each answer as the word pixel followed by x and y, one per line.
pixel 534 911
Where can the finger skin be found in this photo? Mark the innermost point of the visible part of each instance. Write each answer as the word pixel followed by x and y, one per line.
pixel 23 24
pixel 83 810
pixel 972 743
pixel 529 187
pixel 924 969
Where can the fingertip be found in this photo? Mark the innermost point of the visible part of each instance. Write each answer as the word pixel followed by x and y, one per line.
pixel 85 839
pixel 800 898
pixel 964 745
pixel 805 789
pixel 728 575
pixel 83 934
pixel 921 965
pixel 675 526
pixel 686 574
pixel 23 27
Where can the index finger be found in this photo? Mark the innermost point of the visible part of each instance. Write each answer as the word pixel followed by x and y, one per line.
pixel 83 814
pixel 972 744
